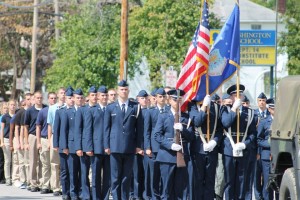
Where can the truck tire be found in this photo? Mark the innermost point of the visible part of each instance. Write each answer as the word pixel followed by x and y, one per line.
pixel 288 185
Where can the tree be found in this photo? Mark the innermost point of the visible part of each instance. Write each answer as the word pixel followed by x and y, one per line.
pixel 16 29
pixel 161 30
pixel 87 52
pixel 290 40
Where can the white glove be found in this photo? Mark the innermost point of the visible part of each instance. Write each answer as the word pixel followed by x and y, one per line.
pixel 211 145
pixel 207 100
pixel 205 147
pixel 267 105
pixel 236 104
pixel 240 146
pixel 178 126
pixel 176 147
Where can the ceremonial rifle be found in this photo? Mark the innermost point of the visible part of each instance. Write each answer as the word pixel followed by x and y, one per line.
pixel 178 139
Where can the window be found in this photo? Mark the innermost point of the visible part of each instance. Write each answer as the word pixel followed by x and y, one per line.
pixel 255 26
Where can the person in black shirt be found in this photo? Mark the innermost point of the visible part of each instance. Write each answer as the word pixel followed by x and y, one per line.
pixel 3 110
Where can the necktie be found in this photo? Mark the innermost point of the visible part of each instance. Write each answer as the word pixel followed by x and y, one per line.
pixel 103 109
pixel 123 109
pixel 161 110
pixel 262 114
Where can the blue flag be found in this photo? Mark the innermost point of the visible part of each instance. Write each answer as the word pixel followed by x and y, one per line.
pixel 224 57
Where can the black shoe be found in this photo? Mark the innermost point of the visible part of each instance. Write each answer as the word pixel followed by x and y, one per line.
pixel 2 182
pixel 28 188
pixel 44 191
pixel 218 197
pixel 57 193
pixel 35 189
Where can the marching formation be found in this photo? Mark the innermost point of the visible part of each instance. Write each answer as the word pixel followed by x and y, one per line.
pixel 109 145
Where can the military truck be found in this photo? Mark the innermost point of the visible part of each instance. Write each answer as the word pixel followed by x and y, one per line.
pixel 285 140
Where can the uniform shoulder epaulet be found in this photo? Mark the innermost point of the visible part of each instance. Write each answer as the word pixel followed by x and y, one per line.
pixel 110 103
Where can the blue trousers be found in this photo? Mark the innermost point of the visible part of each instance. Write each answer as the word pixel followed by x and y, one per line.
pixel 205 167
pixel 155 177
pixel 258 180
pixel 174 180
pixel 106 177
pixel 147 178
pixel 85 183
pixel 267 193
pixel 234 171
pixel 137 180
pixel 250 174
pixel 64 174
pixel 121 172
pixel 96 163
pixel 74 174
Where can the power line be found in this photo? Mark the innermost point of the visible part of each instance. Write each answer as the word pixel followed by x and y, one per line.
pixel 47 2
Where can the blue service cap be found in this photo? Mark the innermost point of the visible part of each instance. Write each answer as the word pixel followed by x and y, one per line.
pixel 173 93
pixel 123 83
pixel 232 89
pixel 142 93
pixel 225 96
pixel 262 96
pixel 69 92
pixel 78 91
pixel 102 89
pixel 92 89
pixel 69 88
pixel 245 99
pixel 271 103
pixel 160 91
pixel 153 93
pixel 215 97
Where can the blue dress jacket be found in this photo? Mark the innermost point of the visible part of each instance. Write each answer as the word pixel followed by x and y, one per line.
pixel 164 134
pixel 123 134
pixel 263 134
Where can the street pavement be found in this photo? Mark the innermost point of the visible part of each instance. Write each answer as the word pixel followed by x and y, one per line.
pixel 12 192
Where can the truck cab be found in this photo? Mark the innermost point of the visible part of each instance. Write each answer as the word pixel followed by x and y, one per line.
pixel 284 141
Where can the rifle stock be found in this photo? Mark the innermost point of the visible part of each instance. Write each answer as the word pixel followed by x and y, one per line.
pixel 180 157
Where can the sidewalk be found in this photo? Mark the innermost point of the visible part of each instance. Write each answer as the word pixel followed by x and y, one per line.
pixel 12 192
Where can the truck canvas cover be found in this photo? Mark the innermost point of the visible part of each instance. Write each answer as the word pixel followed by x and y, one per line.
pixel 287 108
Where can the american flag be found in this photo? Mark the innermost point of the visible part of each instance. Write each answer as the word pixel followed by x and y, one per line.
pixel 196 61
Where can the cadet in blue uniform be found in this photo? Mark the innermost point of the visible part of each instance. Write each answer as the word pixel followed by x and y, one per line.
pixel 67 145
pixel 83 142
pixel 59 138
pixel 220 180
pixel 250 167
pixel 151 145
pixel 204 151
pixel 96 143
pixel 262 113
pixel 235 150
pixel 263 134
pixel 174 179
pixel 139 172
pixel 122 139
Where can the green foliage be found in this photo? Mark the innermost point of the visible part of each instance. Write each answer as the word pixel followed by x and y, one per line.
pixel 87 52
pixel 290 41
pixel 161 30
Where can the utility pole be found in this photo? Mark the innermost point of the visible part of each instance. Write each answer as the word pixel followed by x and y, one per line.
pixel 56 19
pixel 124 41
pixel 33 46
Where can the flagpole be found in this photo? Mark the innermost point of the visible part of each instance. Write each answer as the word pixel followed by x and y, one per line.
pixel 238 110
pixel 207 93
pixel 238 96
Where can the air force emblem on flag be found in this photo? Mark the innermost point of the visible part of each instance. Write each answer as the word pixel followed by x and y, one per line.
pixel 217 63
